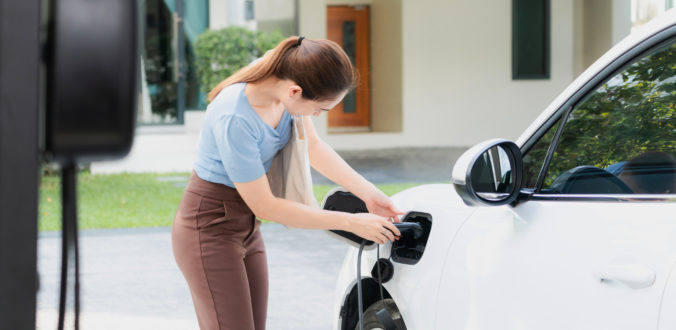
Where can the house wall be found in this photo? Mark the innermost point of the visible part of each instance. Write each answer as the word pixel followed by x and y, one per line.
pixel 456 86
pixel 621 13
pixel 599 24
pixel 224 13
pixel 217 14
pixel 458 72
pixel 386 66
pixel 276 15
pixel 441 70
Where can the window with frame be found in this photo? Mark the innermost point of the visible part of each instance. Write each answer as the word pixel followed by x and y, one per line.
pixel 621 138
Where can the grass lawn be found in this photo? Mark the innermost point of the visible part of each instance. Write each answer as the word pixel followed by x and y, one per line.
pixel 131 200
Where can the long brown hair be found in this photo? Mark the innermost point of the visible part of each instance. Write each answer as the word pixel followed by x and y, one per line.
pixel 319 66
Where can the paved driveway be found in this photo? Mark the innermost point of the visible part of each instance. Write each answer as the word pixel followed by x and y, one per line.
pixel 130 280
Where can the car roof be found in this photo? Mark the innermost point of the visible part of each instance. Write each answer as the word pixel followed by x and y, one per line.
pixel 642 33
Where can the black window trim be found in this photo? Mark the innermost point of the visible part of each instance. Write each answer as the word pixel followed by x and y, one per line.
pixel 657 40
pixel 550 151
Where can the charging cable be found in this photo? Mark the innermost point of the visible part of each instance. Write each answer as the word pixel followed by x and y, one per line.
pixel 359 294
pixel 70 266
pixel 359 298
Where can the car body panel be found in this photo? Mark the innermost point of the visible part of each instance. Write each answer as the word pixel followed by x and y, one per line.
pixel 667 318
pixel 522 268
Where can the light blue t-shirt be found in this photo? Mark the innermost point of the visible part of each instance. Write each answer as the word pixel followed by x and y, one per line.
pixel 235 144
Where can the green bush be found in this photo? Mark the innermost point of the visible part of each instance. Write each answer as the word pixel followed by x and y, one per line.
pixel 220 53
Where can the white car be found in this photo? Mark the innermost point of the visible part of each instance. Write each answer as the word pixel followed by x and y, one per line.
pixel 573 226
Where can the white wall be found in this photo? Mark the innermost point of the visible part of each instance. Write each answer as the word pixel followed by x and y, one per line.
pixel 276 14
pixel 621 13
pixel 224 13
pixel 386 66
pixel 217 14
pixel 457 86
pixel 600 24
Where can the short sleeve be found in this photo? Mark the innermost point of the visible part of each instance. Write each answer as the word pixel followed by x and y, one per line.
pixel 237 143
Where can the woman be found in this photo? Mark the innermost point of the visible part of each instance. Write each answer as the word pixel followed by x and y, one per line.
pixel 215 237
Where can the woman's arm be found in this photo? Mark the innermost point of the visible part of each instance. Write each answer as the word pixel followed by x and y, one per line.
pixel 258 196
pixel 327 162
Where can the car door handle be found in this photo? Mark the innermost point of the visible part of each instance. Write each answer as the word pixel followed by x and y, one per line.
pixel 635 276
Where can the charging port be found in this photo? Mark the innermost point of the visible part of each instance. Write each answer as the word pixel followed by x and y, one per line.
pixel 409 248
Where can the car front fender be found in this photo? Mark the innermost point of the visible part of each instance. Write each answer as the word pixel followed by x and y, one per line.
pixel 413 287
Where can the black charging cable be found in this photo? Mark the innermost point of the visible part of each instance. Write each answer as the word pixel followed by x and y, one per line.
pixel 380 281
pixel 359 294
pixel 415 229
pixel 70 266
pixel 359 298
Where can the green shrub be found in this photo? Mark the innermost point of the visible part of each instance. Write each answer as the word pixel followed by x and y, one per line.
pixel 220 53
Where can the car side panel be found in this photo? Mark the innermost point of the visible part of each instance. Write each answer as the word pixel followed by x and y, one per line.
pixel 667 318
pixel 541 266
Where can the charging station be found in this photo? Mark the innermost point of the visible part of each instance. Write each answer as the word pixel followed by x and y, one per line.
pixel 68 90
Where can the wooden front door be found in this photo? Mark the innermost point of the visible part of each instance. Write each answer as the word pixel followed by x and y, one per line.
pixel 349 27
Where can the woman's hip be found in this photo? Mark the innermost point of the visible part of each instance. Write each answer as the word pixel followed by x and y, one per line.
pixel 214 213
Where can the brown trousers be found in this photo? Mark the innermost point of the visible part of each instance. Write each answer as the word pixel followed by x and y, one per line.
pixel 220 251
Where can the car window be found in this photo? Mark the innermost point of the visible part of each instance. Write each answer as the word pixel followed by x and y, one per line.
pixel 621 139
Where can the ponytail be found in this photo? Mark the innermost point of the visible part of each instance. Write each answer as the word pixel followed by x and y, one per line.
pixel 320 67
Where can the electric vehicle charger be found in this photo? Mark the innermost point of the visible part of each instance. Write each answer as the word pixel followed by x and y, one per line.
pixel 412 228
pixel 339 199
pixel 406 228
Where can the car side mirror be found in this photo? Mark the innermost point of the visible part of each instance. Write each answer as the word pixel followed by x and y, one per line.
pixel 489 173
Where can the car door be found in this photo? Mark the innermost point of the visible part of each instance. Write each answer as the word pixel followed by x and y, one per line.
pixel 593 246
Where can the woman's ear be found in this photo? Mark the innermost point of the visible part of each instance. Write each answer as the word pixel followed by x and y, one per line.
pixel 295 92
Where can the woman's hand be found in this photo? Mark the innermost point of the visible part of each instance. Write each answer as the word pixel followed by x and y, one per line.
pixel 373 227
pixel 378 203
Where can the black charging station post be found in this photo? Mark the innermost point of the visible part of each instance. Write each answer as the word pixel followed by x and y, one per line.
pixel 91 60
pixel 19 161
pixel 68 91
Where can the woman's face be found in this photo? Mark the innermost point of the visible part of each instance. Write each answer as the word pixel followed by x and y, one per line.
pixel 296 105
